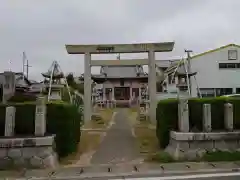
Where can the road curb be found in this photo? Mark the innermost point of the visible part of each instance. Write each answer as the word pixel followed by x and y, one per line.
pixel 135 175
pixel 155 173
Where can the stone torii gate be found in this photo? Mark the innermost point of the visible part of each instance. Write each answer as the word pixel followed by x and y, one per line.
pixel 150 48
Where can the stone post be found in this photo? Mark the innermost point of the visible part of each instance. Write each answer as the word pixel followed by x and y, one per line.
pixel 113 94
pixel 40 117
pixel 228 116
pixel 207 119
pixel 10 121
pixel 87 87
pixel 183 115
pixel 147 107
pixel 139 94
pixel 152 85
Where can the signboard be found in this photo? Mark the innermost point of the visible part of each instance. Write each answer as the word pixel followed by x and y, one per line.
pixel 105 49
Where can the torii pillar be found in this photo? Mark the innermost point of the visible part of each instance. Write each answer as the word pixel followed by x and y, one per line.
pixel 150 48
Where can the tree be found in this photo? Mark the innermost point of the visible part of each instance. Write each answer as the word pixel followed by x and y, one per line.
pixel 70 79
pixel 72 83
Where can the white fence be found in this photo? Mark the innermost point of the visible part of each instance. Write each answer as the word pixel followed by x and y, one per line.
pixel 162 96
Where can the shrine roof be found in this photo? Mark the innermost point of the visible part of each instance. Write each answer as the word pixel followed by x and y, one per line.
pixel 122 72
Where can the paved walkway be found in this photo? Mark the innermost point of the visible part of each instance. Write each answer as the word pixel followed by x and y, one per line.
pixel 119 145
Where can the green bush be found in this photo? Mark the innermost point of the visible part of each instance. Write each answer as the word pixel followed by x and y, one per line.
pixel 196 112
pixel 167 115
pixel 22 97
pixel 63 120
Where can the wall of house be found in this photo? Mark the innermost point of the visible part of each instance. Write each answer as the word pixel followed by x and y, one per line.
pixel 210 76
pixel 21 82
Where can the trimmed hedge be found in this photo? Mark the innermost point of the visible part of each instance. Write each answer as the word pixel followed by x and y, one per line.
pixel 63 120
pixel 167 115
pixel 23 97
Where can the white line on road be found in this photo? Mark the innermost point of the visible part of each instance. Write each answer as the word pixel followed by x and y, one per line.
pixel 199 176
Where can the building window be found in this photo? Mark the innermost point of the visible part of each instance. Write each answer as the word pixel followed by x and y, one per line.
pixel 207 92
pixel 223 91
pixel 229 65
pixel 237 90
pixel 232 55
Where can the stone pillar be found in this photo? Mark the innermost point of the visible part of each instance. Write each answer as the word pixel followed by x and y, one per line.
pixel 40 117
pixel 131 96
pixel 152 85
pixel 140 94
pixel 207 119
pixel 228 116
pixel 10 121
pixel 104 94
pixel 87 87
pixel 183 115
pixel 113 94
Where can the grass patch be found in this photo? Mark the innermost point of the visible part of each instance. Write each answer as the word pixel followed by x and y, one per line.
pixel 88 142
pixel 106 116
pixel 146 138
pixel 161 157
pixel 221 156
pixel 134 109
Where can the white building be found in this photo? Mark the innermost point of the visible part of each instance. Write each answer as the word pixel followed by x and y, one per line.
pixel 218 71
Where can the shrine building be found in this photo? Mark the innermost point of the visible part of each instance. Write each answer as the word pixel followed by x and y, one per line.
pixel 122 84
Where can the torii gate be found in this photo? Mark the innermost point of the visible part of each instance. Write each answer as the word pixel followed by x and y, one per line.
pixel 150 48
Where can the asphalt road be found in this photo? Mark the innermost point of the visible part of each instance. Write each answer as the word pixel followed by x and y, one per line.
pixel 208 176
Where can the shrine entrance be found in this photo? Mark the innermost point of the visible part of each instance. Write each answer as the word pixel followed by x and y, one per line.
pixel 122 93
pixel 149 48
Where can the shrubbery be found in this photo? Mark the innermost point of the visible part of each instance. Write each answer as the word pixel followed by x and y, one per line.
pixel 23 97
pixel 167 115
pixel 63 120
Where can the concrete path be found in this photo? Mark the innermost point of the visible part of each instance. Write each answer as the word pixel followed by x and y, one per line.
pixel 119 145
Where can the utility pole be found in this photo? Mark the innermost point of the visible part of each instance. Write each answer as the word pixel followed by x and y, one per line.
pixel 27 65
pixel 10 64
pixel 23 63
pixel 189 68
